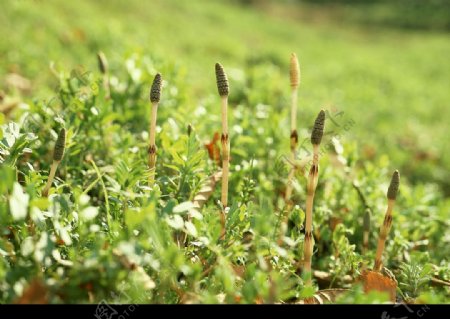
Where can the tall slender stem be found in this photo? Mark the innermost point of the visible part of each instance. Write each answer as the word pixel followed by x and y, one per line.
pixel 311 188
pixel 384 231
pixel 313 177
pixel 107 86
pixel 58 153
pixel 294 96
pixel 51 176
pixel 223 89
pixel 387 223
pixel 295 82
pixel 225 161
pixel 152 145
pixel 293 146
pixel 366 232
pixel 155 96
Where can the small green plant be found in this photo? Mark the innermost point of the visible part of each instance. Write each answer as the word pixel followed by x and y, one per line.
pixel 366 231
pixel 313 177
pixel 155 96
pixel 58 153
pixel 413 278
pixel 387 223
pixel 223 89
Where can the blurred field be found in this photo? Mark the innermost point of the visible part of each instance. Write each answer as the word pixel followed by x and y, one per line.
pixel 393 82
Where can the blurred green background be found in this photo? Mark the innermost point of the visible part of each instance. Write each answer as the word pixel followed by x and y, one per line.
pixel 384 63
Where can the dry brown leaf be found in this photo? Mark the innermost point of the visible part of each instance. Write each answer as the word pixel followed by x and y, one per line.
pixel 239 270
pixel 334 221
pixel 7 105
pixel 35 293
pixel 373 280
pixel 213 149
pixel 324 279
pixel 206 190
pixel 323 296
pixel 17 81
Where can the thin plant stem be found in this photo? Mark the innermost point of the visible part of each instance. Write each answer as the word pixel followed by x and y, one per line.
pixel 51 176
pixel 58 153
pixel 155 96
pixel 311 187
pixel 104 69
pixel 225 162
pixel 313 177
pixel 105 194
pixel 152 146
pixel 366 231
pixel 387 223
pixel 295 82
pixel 223 89
pixel 384 231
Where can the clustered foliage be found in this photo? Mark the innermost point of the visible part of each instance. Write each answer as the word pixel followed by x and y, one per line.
pixel 104 234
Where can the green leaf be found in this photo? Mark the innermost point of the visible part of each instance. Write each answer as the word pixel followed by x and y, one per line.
pixel 27 246
pixel 183 207
pixel 134 218
pixel 89 213
pixel 18 202
pixel 7 177
pixel 190 228
pixel 176 221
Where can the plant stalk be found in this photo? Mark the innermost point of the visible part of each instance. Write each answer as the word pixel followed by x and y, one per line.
pixel 311 189
pixel 295 82
pixel 58 154
pixel 313 177
pixel 152 146
pixel 155 96
pixel 223 89
pixel 51 176
pixel 225 161
pixel 104 69
pixel 387 223
pixel 366 232
pixel 384 231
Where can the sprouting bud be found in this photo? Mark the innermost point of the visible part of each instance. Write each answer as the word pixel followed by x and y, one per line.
pixel 317 132
pixel 189 129
pixel 60 145
pixel 155 92
pixel 393 187
pixel 367 220
pixel 294 71
pixel 222 80
pixel 102 62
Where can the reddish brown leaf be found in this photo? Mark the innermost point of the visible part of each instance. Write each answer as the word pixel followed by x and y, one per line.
pixel 213 149
pixel 373 280
pixel 323 296
pixel 35 293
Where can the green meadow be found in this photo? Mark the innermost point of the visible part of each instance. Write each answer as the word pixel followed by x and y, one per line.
pixel 380 72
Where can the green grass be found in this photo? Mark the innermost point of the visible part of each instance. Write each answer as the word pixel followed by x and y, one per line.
pixel 367 73
pixel 391 84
